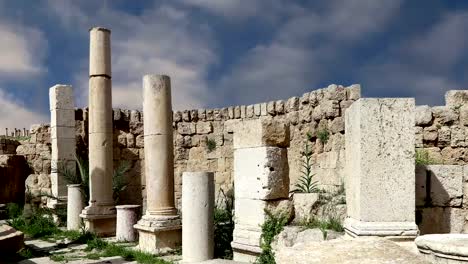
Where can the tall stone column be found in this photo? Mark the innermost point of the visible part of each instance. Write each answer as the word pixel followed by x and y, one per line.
pixel 160 227
pixel 100 214
pixel 379 171
pixel 62 124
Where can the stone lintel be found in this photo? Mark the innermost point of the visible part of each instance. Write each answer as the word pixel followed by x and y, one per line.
pixel 356 228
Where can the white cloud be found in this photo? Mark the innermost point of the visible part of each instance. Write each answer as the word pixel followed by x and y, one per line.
pixel 235 10
pixel 15 114
pixel 421 66
pixel 304 50
pixel 162 40
pixel 22 50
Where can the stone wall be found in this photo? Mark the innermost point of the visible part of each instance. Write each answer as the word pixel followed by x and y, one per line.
pixel 203 139
pixel 442 131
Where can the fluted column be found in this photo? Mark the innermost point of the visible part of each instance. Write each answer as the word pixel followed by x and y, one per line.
pixel 159 229
pixel 99 215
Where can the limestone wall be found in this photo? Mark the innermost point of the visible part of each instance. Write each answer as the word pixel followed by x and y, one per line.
pixel 442 131
pixel 203 139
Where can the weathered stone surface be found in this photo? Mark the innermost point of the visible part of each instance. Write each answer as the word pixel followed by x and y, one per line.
pixel 423 115
pixel 380 147
pixel 444 248
pixel 430 133
pixel 293 235
pixel 13 173
pixel 445 187
pixel 335 92
pixel 344 251
pixel 271 108
pixel 257 109
pixel 204 127
pixel 304 204
pixel 261 173
pixel 456 98
pixel 444 114
pixel 261 132
pixel 292 104
pixel 353 92
pixel 458 136
pixel 186 128
pixel 11 241
pixel 440 220
pixel 279 107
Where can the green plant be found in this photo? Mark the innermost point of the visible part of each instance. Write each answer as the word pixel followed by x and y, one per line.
pixel 323 135
pixel 306 183
pixel 422 158
pixel 118 182
pixel 210 144
pixel 13 210
pixel 332 223
pixel 82 177
pixel 271 227
pixel 224 226
pixel 40 224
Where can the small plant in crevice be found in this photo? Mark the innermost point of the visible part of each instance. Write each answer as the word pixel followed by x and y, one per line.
pixel 332 223
pixel 422 158
pixel 272 226
pixel 323 135
pixel 306 183
pixel 210 144
pixel 224 225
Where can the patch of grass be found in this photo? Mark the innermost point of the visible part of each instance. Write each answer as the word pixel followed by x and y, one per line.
pixel 305 183
pixel 106 249
pixel 58 258
pixel 422 158
pixel 26 253
pixel 323 135
pixel 36 226
pixel 210 144
pixel 271 227
pixel 13 210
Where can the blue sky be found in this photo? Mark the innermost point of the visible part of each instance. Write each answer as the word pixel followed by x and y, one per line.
pixel 230 52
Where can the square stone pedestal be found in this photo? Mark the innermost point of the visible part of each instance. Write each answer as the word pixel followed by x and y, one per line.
pixel 380 168
pixel 159 234
pixel 103 224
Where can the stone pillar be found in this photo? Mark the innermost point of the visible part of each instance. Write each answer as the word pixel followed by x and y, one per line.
pixel 74 206
pixel 127 217
pixel 160 227
pixel 62 125
pixel 100 214
pixel 197 218
pixel 261 180
pixel 380 168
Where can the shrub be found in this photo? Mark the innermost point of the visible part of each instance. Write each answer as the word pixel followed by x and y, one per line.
pixel 224 226
pixel 305 183
pixel 323 135
pixel 82 177
pixel 210 144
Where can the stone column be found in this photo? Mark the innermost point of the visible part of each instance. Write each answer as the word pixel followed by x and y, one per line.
pixel 100 214
pixel 127 217
pixel 62 124
pixel 261 180
pixel 74 206
pixel 160 228
pixel 197 220
pixel 380 168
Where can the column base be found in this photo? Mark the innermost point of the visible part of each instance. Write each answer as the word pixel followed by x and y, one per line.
pixel 159 234
pixel 245 253
pixel 392 230
pixel 100 220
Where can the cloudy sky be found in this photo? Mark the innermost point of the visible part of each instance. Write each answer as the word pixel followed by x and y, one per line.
pixel 229 52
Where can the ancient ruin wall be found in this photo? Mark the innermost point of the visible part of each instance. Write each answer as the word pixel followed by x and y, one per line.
pixel 203 139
